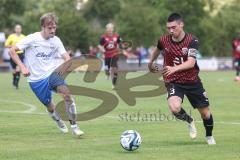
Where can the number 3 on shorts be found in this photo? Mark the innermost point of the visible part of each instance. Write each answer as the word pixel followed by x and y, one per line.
pixel 171 91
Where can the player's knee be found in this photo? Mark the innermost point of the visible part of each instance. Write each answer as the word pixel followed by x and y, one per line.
pixel 205 113
pixel 67 97
pixel 50 107
pixel 174 107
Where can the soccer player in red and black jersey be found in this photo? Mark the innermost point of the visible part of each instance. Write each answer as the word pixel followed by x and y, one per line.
pixel 109 45
pixel 236 56
pixel 180 73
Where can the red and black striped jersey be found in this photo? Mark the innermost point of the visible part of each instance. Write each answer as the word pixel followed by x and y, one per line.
pixel 110 44
pixel 175 53
pixel 236 48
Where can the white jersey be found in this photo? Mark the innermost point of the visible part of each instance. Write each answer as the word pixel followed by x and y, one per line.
pixel 41 55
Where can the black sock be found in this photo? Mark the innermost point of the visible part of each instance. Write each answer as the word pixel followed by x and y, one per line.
pixel 114 80
pixel 17 78
pixel 208 124
pixel 72 122
pixel 182 115
pixel 237 74
pixel 107 72
pixel 14 78
pixel 238 69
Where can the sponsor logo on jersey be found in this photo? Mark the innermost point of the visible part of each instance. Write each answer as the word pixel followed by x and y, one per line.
pixel 185 51
pixel 44 55
pixel 166 49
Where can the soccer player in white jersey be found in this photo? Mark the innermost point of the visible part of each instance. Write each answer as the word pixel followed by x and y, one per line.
pixel 42 52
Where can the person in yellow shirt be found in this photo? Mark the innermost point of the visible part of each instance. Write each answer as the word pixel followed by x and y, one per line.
pixel 11 41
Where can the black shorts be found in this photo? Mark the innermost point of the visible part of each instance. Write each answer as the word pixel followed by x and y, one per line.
pixel 111 62
pixel 195 93
pixel 13 64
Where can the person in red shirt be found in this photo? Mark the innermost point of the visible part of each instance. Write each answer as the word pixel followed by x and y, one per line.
pixel 109 45
pixel 180 74
pixel 236 56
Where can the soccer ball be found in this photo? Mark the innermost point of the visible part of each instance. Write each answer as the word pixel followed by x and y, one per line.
pixel 157 67
pixel 130 140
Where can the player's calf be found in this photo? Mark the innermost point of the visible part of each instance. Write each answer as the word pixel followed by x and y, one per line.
pixel 182 115
pixel 72 116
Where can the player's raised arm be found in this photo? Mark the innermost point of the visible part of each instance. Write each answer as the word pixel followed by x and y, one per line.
pixel 17 60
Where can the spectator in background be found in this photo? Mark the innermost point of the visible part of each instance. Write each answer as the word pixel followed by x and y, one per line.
pixel 139 55
pixel 143 52
pixel 128 53
pixel 150 50
pixel 92 51
pixel 10 42
pixel 98 53
pixel 77 53
pixel 236 55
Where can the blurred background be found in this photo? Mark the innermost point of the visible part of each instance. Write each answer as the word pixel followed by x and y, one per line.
pixel 82 22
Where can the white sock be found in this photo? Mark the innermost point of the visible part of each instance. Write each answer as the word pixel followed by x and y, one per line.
pixel 71 111
pixel 54 115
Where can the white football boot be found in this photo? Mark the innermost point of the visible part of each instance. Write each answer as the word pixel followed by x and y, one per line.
pixel 192 130
pixel 76 130
pixel 210 140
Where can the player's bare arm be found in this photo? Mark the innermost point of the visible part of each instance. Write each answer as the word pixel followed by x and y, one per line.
pixel 154 56
pixel 64 67
pixel 101 48
pixel 66 56
pixel 168 70
pixel 17 60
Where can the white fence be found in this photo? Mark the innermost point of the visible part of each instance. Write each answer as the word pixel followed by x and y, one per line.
pixel 209 64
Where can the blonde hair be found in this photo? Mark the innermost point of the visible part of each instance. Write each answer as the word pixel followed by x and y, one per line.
pixel 48 18
pixel 110 25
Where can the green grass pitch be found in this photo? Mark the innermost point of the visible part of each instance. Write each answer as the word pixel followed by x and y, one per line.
pixel 27 133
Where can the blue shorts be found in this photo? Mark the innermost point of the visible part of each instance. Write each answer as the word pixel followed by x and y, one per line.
pixel 43 88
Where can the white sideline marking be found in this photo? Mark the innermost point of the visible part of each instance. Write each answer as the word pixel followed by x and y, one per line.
pixel 31 108
pixel 134 120
pixel 233 123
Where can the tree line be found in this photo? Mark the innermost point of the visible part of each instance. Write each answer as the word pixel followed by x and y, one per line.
pixel 141 21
